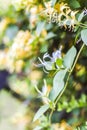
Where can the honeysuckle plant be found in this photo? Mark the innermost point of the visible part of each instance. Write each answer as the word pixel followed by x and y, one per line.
pixel 63 16
pixel 41 26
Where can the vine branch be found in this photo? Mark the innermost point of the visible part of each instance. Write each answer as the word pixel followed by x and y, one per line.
pixel 67 79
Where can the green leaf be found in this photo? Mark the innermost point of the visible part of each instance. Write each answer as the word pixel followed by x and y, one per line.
pixel 51 73
pixel 58 84
pixel 41 111
pixel 74 4
pixel 59 62
pixel 69 57
pixel 80 17
pixel 50 35
pixel 54 2
pixel 39 28
pixel 84 36
pixel 48 65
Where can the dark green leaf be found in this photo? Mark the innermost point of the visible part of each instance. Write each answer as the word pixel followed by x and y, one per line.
pixel 74 4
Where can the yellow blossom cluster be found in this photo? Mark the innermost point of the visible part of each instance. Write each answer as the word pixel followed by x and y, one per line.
pixel 10 64
pixel 62 15
pixel 21 49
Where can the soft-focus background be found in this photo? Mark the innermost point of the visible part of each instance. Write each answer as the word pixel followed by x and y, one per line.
pixel 25 35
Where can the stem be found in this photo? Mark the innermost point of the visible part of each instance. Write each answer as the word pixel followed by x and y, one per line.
pixel 77 57
pixel 70 73
pixel 82 25
pixel 67 79
pixel 50 116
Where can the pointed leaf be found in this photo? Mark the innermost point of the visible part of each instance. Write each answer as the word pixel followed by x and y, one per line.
pixel 41 111
pixel 59 62
pixel 80 17
pixel 50 35
pixel 69 57
pixel 40 27
pixel 58 84
pixel 74 4
pixel 48 65
pixel 54 2
pixel 84 36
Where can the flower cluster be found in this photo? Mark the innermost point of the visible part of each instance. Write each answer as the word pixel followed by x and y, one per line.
pixel 8 63
pixel 62 15
pixel 23 47
pixel 51 62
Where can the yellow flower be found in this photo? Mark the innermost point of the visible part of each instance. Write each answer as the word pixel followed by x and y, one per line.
pixel 49 10
pixel 73 13
pixel 60 7
pixel 21 47
pixel 19 65
pixel 73 18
